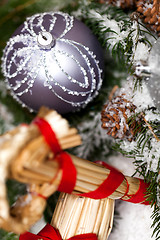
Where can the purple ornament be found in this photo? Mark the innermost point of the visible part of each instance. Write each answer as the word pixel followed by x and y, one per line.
pixel 53 60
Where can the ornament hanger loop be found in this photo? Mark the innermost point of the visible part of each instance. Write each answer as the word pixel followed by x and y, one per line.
pixel 45 40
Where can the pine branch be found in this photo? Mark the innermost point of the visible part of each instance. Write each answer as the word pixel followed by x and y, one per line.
pixel 115 30
pixel 8 236
pixel 145 152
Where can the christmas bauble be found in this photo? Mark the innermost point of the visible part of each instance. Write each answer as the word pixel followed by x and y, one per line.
pixel 54 60
pixel 153 81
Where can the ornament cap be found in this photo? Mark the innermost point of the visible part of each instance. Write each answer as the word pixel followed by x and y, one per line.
pixel 142 70
pixel 45 40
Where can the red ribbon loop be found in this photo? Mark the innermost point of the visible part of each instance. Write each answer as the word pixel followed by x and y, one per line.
pixel 51 233
pixel 140 195
pixel 48 134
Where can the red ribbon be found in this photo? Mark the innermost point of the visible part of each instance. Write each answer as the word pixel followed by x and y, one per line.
pixel 69 172
pixel 48 134
pixel 51 233
pixel 140 195
pixel 112 182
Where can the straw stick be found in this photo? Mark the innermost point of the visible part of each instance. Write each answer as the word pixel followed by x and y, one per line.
pixel 75 215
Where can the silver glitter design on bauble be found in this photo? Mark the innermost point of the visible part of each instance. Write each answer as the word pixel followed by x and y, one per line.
pixel 34 53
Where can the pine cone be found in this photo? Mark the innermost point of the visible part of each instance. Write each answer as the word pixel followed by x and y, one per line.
pixel 115 115
pixel 121 3
pixel 150 13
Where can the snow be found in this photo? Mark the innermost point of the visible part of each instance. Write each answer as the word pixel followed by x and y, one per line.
pixel 150 116
pixel 134 223
pixel 148 6
pixel 142 100
pixel 154 58
pixel 140 97
pixel 149 155
pixel 104 21
pixel 141 52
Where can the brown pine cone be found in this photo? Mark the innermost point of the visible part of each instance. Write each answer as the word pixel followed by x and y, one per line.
pixel 115 118
pixel 150 13
pixel 121 3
